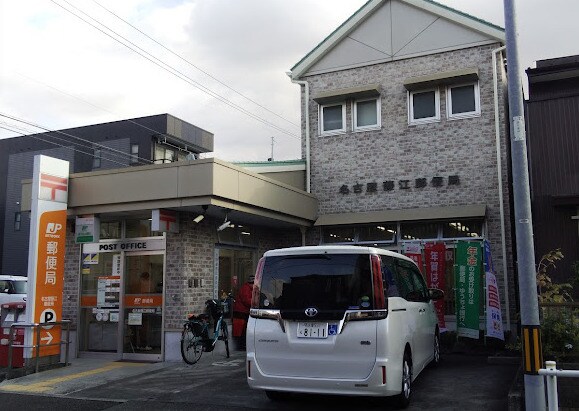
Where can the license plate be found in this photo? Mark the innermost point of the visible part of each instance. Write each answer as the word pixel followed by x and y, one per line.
pixel 312 330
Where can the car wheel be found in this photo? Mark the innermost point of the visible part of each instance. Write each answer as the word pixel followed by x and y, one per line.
pixel 436 351
pixel 403 399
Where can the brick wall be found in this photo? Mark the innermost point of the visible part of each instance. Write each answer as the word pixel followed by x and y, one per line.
pixel 399 151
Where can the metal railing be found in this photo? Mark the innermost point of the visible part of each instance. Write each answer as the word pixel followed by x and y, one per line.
pixel 551 373
pixel 36 327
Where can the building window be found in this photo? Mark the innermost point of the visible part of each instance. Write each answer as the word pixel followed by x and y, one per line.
pixel 134 153
pixel 463 101
pixel 339 235
pixel 97 155
pixel 364 234
pixel 423 106
pixel 17 220
pixel 332 118
pixel 462 228
pixel 367 114
pixel 419 231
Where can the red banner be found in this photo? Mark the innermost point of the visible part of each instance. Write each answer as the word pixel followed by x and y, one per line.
pixel 414 252
pixel 434 254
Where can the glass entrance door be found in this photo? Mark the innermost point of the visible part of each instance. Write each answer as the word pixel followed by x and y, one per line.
pixel 142 306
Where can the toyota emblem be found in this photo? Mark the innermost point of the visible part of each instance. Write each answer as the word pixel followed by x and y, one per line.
pixel 311 312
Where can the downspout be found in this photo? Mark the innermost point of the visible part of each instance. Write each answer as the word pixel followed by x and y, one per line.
pixel 307 115
pixel 500 181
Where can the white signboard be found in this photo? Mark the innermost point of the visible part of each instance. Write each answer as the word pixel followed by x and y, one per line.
pixel 135 319
pixel 87 229
pixel 116 246
pixel 165 221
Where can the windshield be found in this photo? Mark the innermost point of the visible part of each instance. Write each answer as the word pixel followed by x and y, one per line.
pixel 20 287
pixel 324 281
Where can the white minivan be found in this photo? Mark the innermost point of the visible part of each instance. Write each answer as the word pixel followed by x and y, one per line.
pixel 13 289
pixel 341 320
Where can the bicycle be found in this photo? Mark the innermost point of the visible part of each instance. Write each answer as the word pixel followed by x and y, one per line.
pixel 195 337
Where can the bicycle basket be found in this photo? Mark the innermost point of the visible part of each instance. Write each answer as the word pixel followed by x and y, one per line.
pixel 213 309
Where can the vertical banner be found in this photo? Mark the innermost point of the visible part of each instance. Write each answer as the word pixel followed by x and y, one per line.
pixel 434 254
pixel 494 320
pixel 414 251
pixel 468 281
pixel 46 251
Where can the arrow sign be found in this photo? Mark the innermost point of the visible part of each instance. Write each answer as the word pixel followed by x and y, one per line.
pixel 48 338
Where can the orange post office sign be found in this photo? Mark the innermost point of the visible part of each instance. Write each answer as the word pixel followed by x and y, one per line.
pixel 50 278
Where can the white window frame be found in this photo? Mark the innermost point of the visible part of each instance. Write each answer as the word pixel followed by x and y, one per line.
pixel 469 114
pixel 97 158
pixel 436 118
pixel 134 153
pixel 378 124
pixel 321 119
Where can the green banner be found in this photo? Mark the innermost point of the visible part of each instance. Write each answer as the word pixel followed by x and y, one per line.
pixel 467 277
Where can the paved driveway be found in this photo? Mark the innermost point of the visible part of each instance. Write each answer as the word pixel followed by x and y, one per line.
pixel 461 382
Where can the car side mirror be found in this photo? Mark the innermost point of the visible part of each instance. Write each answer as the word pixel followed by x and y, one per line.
pixel 435 293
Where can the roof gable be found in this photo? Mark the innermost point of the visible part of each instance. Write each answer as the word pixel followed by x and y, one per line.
pixel 386 30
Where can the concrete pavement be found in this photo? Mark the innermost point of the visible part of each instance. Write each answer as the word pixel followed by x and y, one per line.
pixel 461 382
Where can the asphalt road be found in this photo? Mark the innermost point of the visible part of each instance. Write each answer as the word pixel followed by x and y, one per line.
pixel 461 382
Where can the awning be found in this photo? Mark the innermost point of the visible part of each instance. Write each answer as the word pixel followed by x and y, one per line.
pixel 447 77
pixel 411 214
pixel 331 96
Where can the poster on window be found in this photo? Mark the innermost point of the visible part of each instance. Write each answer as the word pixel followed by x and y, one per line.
pixel 414 252
pixel 494 320
pixel 434 255
pixel 468 282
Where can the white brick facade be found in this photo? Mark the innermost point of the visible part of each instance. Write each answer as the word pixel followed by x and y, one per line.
pixel 398 151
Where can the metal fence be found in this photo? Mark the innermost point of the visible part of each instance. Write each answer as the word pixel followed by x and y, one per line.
pixel 38 345
pixel 551 373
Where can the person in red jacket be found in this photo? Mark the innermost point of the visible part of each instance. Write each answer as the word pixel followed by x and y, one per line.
pixel 241 308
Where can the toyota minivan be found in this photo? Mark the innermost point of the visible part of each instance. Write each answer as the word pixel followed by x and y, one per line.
pixel 341 320
pixel 13 288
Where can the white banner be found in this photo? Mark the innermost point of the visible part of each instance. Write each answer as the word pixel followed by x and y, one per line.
pixel 494 317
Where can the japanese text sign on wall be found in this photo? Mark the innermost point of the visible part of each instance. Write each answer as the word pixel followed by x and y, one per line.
pixel 404 184
pixel 468 281
pixel 46 250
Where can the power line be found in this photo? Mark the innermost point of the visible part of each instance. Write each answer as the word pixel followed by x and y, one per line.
pixel 112 151
pixel 195 66
pixel 35 136
pixel 156 132
pixel 169 68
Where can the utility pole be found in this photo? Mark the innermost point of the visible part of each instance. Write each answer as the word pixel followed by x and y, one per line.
pixel 272 141
pixel 530 327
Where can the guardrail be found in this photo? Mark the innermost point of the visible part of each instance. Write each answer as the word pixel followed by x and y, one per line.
pixel 38 345
pixel 551 373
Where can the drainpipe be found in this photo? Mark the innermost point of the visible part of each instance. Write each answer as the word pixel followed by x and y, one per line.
pixel 307 115
pixel 500 180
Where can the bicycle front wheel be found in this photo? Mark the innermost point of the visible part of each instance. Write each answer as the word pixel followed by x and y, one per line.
pixel 225 337
pixel 191 346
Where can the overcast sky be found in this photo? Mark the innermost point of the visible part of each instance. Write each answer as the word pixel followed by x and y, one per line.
pixel 59 72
